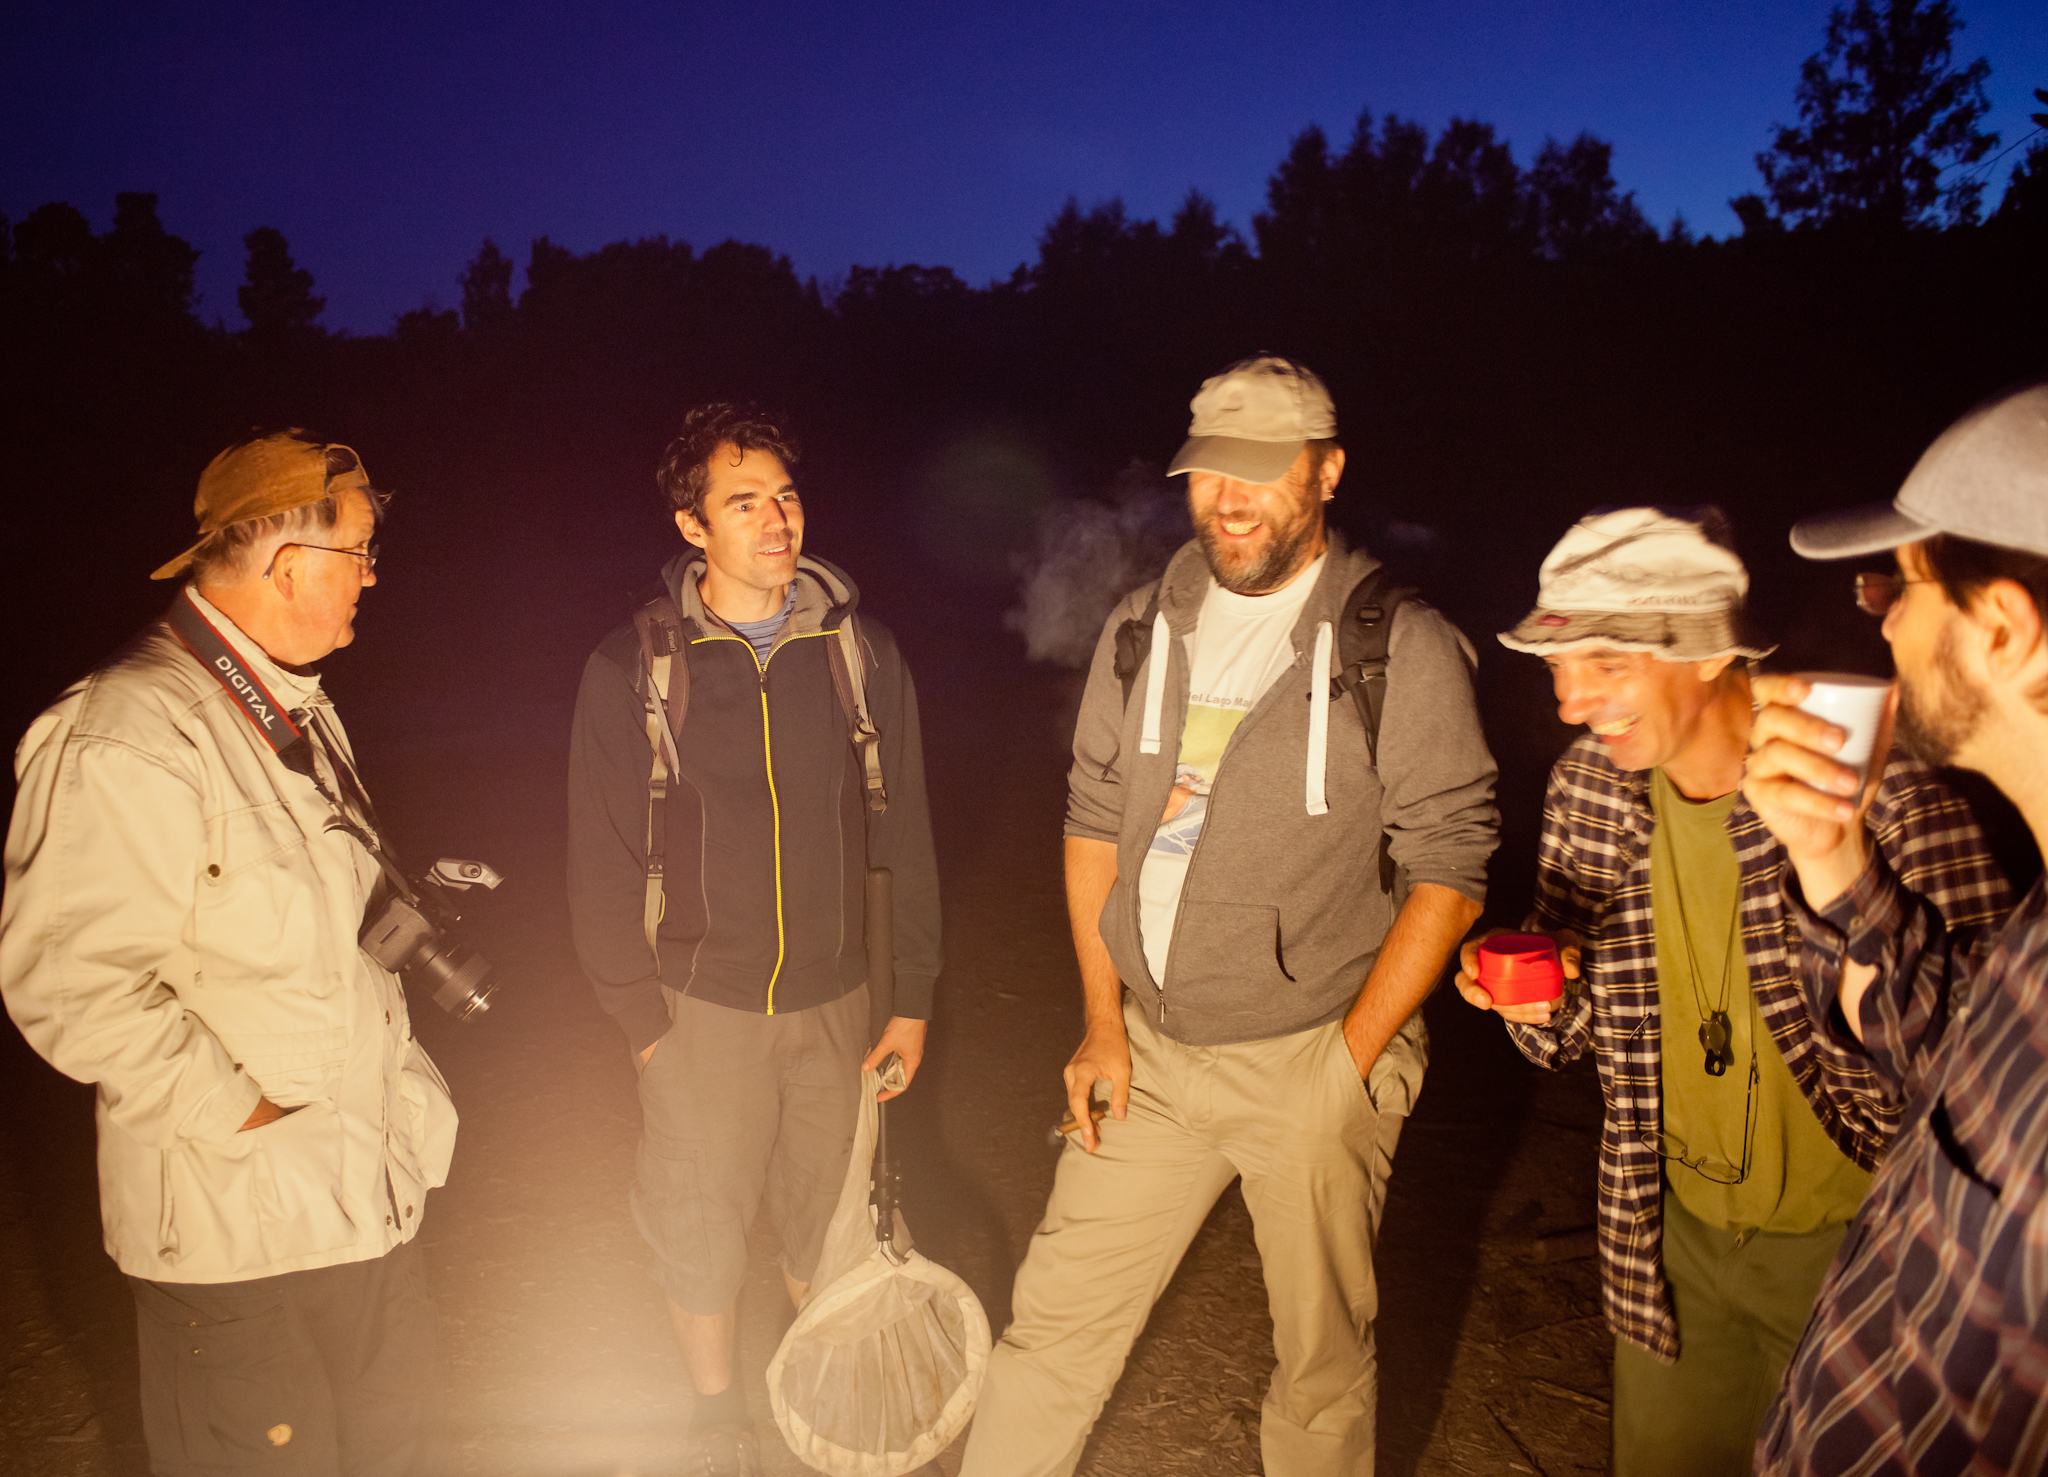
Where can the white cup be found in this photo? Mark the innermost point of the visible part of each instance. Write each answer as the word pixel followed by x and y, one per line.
pixel 1852 703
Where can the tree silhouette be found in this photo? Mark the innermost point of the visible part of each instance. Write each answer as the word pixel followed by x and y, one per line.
pixel 277 294
pixel 1884 113
pixel 1575 204
pixel 2026 193
pixel 149 270
pixel 487 291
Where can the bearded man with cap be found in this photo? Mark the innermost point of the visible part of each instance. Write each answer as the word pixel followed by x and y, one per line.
pixel 1739 1138
pixel 1928 1351
pixel 190 859
pixel 1251 971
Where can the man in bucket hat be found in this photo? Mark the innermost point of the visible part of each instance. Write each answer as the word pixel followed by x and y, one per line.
pixel 190 860
pixel 1738 1139
pixel 1252 963
pixel 1928 1348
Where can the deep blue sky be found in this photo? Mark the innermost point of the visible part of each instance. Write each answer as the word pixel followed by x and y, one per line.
pixel 386 140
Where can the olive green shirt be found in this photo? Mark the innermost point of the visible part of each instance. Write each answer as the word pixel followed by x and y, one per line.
pixel 1797 1180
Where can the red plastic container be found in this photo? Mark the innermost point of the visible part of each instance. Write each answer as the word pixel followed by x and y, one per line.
pixel 1516 968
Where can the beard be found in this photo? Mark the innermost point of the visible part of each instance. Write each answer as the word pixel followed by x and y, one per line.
pixel 1938 717
pixel 1257 571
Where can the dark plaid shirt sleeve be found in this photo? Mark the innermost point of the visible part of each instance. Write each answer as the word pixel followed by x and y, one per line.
pixel 1927 847
pixel 1925 932
pixel 1928 1348
pixel 1563 901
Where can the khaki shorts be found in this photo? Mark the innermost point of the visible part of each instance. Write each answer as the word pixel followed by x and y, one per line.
pixel 742 1113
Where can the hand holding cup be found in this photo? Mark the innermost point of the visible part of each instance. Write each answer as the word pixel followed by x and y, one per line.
pixel 1817 752
pixel 1521 975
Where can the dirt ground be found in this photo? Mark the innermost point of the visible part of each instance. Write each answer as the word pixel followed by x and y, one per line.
pixel 1493 1354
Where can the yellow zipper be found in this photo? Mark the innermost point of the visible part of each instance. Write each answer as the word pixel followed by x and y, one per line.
pixel 774 802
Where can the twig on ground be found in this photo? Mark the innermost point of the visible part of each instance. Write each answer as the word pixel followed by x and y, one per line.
pixel 1577 1397
pixel 1516 1441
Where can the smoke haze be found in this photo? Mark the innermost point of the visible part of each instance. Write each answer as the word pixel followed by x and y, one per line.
pixel 1090 554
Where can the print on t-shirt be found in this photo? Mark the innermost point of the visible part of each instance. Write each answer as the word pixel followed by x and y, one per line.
pixel 1210 723
pixel 1241 645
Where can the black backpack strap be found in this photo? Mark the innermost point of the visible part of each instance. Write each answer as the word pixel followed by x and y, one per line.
pixel 663 682
pixel 1364 629
pixel 1134 644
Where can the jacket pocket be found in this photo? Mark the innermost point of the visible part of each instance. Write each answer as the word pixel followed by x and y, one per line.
pixel 296 1191
pixel 428 1113
pixel 1227 962
pixel 268 1195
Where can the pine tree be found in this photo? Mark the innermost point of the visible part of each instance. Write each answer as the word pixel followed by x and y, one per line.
pixel 1884 115
pixel 277 295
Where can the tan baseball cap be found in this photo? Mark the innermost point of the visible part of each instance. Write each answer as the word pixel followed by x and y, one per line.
pixel 1252 420
pixel 263 477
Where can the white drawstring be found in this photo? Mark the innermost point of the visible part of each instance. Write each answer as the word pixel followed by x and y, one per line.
pixel 1319 720
pixel 1155 686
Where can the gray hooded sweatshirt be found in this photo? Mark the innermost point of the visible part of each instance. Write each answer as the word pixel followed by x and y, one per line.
pixel 1282 913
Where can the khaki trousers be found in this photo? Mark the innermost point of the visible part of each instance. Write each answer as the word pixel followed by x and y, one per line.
pixel 1313 1145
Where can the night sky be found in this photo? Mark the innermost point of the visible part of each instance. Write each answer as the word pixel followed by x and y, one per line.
pixel 386 141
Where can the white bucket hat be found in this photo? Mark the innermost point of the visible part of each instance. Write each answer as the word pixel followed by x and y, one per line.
pixel 1642 579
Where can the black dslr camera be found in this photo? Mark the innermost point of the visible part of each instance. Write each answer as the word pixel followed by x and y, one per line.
pixel 409 937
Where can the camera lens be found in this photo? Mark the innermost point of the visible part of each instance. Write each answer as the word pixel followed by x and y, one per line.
pixel 458 977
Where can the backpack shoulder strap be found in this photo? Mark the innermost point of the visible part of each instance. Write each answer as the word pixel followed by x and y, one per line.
pixel 1134 644
pixel 849 679
pixel 1364 629
pixel 663 682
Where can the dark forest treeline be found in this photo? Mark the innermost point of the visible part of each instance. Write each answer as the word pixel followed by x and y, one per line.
pixel 1508 345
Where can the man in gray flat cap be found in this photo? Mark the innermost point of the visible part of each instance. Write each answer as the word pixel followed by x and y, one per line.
pixel 1739 1139
pixel 1274 841
pixel 1928 1350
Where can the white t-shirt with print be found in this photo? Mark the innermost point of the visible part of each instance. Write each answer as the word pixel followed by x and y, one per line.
pixel 1241 645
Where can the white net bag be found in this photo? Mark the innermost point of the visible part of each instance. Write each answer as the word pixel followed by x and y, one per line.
pixel 881 1368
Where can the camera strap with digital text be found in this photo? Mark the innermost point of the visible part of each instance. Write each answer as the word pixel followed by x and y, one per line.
pixel 289 736
pixel 270 717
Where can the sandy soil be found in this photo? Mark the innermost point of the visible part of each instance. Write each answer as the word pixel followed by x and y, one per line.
pixel 1494 1358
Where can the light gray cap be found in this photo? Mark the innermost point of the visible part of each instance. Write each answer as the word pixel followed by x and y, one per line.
pixel 1252 420
pixel 1984 478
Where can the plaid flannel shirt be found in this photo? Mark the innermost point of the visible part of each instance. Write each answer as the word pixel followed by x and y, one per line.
pixel 1928 1349
pixel 1593 877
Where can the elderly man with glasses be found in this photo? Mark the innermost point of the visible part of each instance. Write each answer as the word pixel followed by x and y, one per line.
pixel 190 860
pixel 1739 1139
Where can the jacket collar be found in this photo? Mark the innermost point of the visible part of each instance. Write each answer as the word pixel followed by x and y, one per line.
pixel 824 592
pixel 293 689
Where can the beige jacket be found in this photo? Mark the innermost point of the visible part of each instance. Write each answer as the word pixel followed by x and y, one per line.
pixel 180 928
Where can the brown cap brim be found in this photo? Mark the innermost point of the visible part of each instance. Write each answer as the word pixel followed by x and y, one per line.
pixel 180 564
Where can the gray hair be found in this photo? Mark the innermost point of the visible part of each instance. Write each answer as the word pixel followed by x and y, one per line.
pixel 237 551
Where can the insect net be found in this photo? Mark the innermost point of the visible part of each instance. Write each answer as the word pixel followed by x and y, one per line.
pixel 881 1368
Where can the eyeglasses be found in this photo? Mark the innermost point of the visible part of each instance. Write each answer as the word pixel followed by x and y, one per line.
pixel 1670 1146
pixel 1876 594
pixel 368 554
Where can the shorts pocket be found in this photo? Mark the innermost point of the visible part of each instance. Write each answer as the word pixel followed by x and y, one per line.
pixel 668 1208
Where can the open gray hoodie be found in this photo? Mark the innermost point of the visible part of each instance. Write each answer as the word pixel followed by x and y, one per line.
pixel 1282 913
